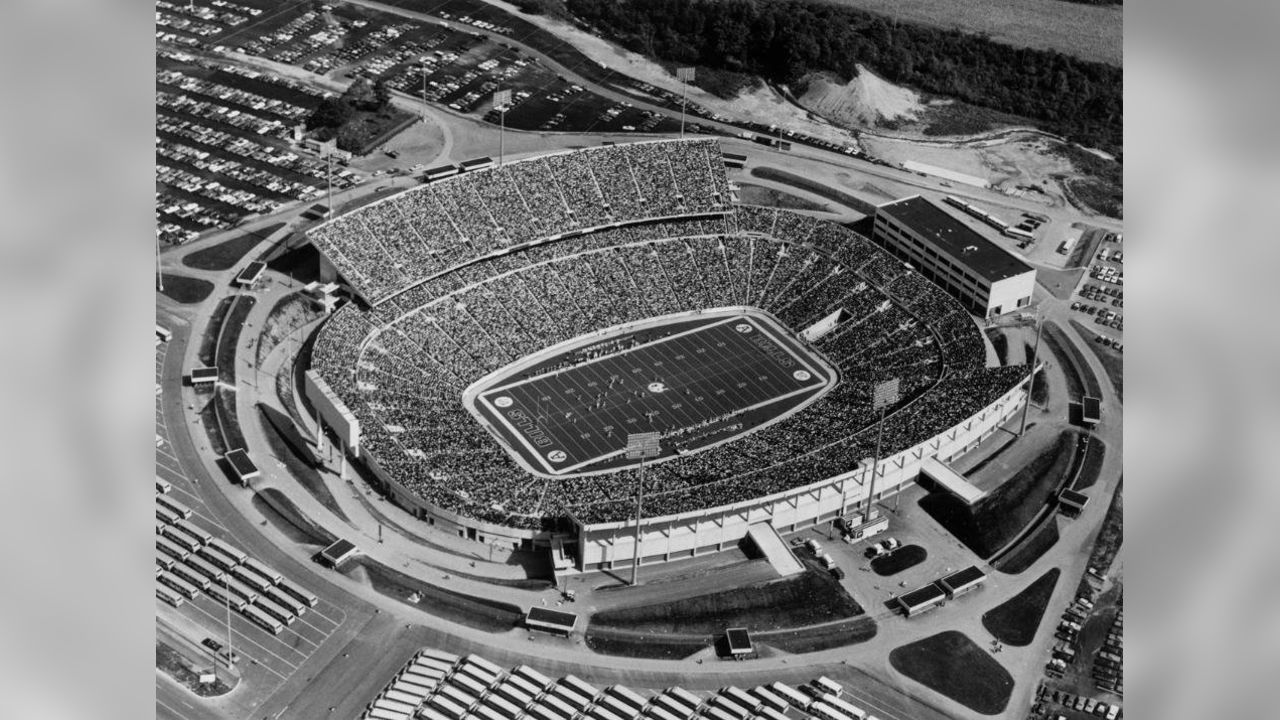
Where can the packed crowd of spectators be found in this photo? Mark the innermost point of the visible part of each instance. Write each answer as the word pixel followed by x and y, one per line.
pixel 456 309
pixel 389 245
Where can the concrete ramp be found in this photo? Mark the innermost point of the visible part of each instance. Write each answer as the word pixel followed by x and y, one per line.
pixel 775 550
pixel 952 481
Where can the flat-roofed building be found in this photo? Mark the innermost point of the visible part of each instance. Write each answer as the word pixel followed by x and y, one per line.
pixel 987 279
pixel 962 581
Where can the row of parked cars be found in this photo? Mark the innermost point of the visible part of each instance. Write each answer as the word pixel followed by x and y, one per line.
pixel 1078 702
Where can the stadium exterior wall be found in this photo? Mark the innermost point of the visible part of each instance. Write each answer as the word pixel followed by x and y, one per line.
pixel 608 545
pixel 672 537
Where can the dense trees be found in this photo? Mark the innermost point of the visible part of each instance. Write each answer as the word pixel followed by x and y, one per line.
pixel 784 40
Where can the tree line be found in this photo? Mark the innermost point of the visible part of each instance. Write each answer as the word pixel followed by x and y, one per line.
pixel 785 40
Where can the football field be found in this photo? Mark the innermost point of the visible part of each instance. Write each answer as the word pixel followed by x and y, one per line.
pixel 697 387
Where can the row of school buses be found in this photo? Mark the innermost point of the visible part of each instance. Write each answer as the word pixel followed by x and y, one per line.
pixel 437 685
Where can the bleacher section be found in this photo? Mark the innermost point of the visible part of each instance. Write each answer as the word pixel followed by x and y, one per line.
pixel 436 685
pixel 450 310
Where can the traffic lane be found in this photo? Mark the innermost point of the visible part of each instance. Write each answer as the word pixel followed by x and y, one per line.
pixel 174 702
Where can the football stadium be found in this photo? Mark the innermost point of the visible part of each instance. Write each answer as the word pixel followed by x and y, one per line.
pixel 511 327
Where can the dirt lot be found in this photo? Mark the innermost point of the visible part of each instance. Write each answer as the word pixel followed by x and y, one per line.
pixel 1085 31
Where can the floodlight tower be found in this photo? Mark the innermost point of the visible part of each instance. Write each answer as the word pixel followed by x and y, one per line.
pixel 685 75
pixel 501 99
pixel 159 274
pixel 639 447
pixel 883 395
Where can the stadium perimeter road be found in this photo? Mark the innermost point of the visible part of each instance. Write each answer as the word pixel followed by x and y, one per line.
pixel 600 669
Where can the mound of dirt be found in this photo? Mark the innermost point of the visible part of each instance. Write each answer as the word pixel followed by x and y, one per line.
pixel 867 100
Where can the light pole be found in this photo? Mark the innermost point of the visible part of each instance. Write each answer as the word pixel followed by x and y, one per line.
pixel 639 447
pixel 685 75
pixel 159 274
pixel 1032 377
pixel 329 181
pixel 883 395
pixel 501 99
pixel 226 581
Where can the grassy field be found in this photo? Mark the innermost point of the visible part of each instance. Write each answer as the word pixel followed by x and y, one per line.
pixel 226 254
pixel 479 613
pixel 186 290
pixel 953 665
pixel 177 667
pixel 1111 536
pixel 1031 549
pixel 751 194
pixel 1111 359
pixel 1000 516
pixel 1091 465
pixel 1083 31
pixel 289 519
pixel 899 560
pixel 299 459
pixel 1014 621
pixel 825 637
pixel 807 599
pixel 652 647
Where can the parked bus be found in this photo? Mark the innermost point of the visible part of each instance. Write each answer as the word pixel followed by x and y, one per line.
pixel 599 712
pixel 191 576
pixel 217 557
pixel 174 505
pixel 182 587
pixel 540 681
pixel 298 592
pixel 275 610
pixel 616 706
pixel 508 709
pixel 194 531
pixel 463 698
pixel 181 538
pixel 671 705
pixel 163 486
pixel 823 710
pixel 719 713
pixel 449 708
pixel 170 548
pixel 542 712
pixel 263 569
pixel 206 568
pixel 163 561
pixel 579 686
pixel 828 685
pixel 439 666
pixel 479 674
pixel 229 549
pixel 409 688
pixel 628 696
pixel 430 713
pixel 164 333
pixel 239 588
pixel 169 596
pixel 790 694
pixel 395 706
pixel 218 593
pixel 469 683
pixel 768 713
pixel 769 698
pixel 684 696
pixel 726 704
pixel 445 657
pixel 423 677
pixel 740 697
pixel 512 692
pixel 657 712
pixel 251 578
pixel 570 698
pixel 384 714
pixel 404 697
pixel 524 685
pixel 284 600
pixel 166 516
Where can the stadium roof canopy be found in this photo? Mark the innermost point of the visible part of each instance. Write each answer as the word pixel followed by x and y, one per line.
pixel 955 239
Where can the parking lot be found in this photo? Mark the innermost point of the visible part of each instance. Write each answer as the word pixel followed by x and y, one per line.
pixel 1099 299
pixel 204 617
